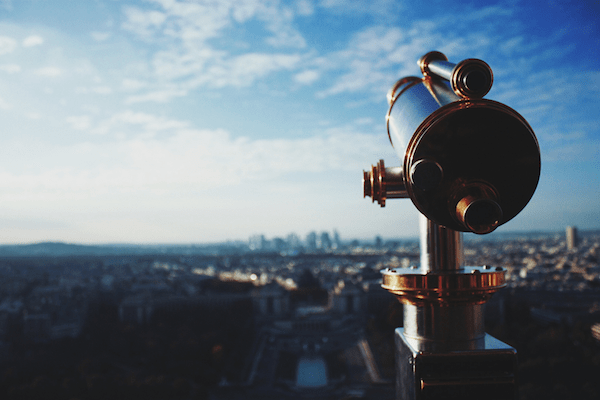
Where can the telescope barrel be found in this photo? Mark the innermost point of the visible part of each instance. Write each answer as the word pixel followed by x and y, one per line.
pixel 470 78
pixel 468 164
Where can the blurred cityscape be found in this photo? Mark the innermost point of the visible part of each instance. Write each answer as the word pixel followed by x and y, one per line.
pixel 285 318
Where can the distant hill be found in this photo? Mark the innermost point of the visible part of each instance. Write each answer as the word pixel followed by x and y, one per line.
pixel 61 249
pixel 49 249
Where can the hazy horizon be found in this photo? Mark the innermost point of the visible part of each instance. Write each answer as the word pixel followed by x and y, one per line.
pixel 468 237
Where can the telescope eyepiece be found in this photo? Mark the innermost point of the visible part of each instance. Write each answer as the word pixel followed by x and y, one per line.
pixel 479 215
pixel 475 81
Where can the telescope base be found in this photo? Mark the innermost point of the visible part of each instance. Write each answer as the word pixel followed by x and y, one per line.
pixel 488 372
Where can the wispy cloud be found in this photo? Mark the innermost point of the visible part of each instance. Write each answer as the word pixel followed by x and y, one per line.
pixel 4 105
pixel 80 122
pixel 33 40
pixel 7 45
pixel 377 8
pixel 184 161
pixel 10 68
pixel 156 96
pixel 100 36
pixel 48 71
pixel 307 77
pixel 186 35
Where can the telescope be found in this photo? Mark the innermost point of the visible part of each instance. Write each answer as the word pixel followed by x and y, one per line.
pixel 468 164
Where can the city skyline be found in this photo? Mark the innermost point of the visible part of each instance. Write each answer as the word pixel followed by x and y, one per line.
pixel 171 121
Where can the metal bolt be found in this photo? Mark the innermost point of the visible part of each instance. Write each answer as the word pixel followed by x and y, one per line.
pixel 426 174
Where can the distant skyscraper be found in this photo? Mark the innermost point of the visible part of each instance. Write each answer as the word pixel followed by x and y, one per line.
pixel 257 242
pixel 293 241
pixel 572 237
pixel 337 242
pixel 324 242
pixel 279 244
pixel 311 241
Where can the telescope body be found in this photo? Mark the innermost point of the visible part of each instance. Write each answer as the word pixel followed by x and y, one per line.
pixel 468 164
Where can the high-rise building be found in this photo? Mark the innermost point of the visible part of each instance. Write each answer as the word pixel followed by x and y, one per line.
pixel 572 237
pixel 257 242
pixel 323 241
pixel 293 241
pixel 378 242
pixel 311 241
pixel 337 242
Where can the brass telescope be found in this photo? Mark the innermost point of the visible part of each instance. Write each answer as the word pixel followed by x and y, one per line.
pixel 468 164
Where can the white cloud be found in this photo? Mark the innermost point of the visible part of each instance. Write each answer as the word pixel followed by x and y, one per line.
pixel 156 96
pixel 32 115
pixel 279 21
pixel 579 151
pixel 136 124
pixel 148 121
pixel 7 45
pixel 81 122
pixel 487 13
pixel 564 136
pixel 188 56
pixel 376 56
pixel 101 90
pixel 181 161
pixel 185 21
pixel 307 77
pixel 10 68
pixel 377 8
pixel 48 71
pixel 512 45
pixel 4 105
pixel 133 84
pixel 100 36
pixel 305 7
pixel 363 76
pixel 364 121
pixel 244 69
pixel 175 64
pixel 376 40
pixel 143 23
pixel 33 40
pixel 220 72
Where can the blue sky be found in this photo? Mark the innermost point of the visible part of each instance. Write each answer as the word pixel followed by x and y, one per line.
pixel 172 121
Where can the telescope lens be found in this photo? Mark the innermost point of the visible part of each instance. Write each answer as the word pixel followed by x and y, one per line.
pixel 476 81
pixel 479 215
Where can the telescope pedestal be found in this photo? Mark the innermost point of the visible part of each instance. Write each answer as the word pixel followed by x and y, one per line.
pixel 486 372
pixel 442 351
